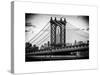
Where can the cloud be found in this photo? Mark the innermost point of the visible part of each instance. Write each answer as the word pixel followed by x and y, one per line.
pixel 27 31
pixel 30 25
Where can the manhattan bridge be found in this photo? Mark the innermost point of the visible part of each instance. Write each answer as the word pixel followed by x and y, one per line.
pixel 50 43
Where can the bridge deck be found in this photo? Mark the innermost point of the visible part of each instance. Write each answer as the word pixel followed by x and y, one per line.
pixel 60 50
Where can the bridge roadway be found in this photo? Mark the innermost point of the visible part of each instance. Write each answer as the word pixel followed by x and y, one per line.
pixel 72 49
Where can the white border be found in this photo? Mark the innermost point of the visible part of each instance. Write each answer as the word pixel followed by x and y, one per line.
pixel 20 8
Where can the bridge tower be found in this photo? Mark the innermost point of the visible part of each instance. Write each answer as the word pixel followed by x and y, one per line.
pixel 58 32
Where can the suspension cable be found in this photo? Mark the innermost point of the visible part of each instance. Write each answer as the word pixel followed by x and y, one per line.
pixel 39 32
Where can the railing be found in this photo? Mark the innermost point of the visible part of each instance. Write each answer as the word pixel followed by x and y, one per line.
pixel 82 48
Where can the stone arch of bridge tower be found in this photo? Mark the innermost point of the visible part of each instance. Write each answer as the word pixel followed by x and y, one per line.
pixel 58 39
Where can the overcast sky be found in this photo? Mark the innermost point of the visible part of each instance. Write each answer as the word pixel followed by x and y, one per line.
pixel 77 27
